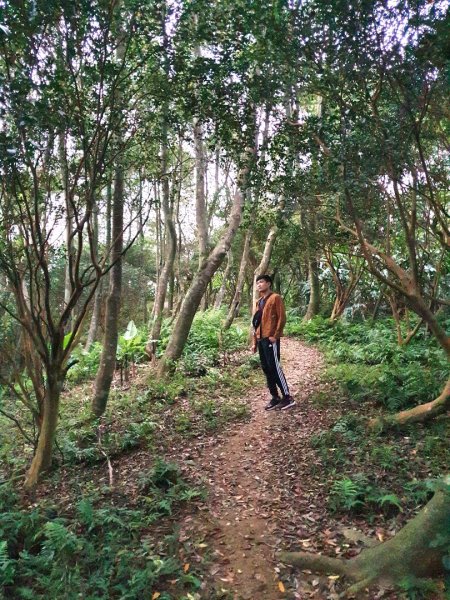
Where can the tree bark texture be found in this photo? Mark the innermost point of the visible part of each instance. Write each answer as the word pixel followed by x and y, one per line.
pixel 200 198
pixel 412 552
pixel 108 358
pixel 201 280
pixel 169 256
pixel 42 458
pixel 236 302
pixel 221 293
pixel 265 259
pixel 314 289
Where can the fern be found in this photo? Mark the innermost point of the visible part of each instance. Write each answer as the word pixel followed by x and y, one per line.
pixel 346 494
pixel 390 499
pixel 59 539
pixel 7 565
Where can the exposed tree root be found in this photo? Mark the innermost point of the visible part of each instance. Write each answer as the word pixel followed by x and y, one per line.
pixel 418 414
pixel 414 552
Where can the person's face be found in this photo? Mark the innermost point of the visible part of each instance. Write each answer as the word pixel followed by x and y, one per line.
pixel 262 286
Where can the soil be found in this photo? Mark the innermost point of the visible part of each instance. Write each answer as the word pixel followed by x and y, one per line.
pixel 266 494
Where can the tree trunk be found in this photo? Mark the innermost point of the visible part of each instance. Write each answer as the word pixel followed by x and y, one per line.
pixel 108 358
pixel 265 260
pixel 42 458
pixel 200 200
pixel 166 275
pixel 68 210
pixel 314 289
pixel 221 293
pixel 418 414
pixel 201 280
pixel 412 552
pixel 95 318
pixel 236 302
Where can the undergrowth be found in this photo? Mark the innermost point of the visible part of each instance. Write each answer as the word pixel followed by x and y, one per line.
pixel 96 549
pixel 365 360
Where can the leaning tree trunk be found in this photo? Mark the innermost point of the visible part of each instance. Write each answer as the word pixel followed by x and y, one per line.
pixel 314 289
pixel 265 260
pixel 235 304
pixel 413 552
pixel 42 458
pixel 108 358
pixel 201 280
pixel 221 293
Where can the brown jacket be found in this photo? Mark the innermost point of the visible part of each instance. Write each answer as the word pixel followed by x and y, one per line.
pixel 273 317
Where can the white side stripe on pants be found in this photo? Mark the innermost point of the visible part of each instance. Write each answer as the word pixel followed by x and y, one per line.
pixel 280 371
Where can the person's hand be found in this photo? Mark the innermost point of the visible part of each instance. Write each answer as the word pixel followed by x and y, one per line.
pixel 254 348
pixel 272 340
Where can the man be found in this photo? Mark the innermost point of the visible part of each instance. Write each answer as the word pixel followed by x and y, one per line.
pixel 269 319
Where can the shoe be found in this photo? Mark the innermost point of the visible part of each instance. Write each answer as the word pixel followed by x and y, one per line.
pixel 287 402
pixel 274 402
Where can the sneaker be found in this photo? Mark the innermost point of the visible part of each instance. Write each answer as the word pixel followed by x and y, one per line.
pixel 274 402
pixel 286 403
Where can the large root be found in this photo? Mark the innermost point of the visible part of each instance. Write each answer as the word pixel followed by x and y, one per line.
pixel 421 413
pixel 414 552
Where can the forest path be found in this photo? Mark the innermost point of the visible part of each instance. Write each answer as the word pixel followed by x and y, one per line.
pixel 258 498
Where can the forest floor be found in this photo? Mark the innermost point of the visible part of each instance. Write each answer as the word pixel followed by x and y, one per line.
pixel 266 492
pixel 267 478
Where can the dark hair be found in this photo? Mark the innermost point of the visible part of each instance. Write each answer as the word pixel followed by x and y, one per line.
pixel 267 278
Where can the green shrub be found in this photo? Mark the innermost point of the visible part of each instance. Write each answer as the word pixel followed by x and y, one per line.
pixel 96 550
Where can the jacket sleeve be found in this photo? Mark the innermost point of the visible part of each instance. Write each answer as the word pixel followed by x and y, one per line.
pixel 281 314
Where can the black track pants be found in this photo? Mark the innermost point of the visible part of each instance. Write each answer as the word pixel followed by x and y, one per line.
pixel 270 362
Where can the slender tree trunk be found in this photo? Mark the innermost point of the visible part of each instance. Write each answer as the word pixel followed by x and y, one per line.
pixel 95 318
pixel 68 212
pixel 42 458
pixel 201 280
pixel 410 553
pixel 221 293
pixel 235 304
pixel 108 358
pixel 376 307
pixel 200 199
pixel 171 247
pixel 265 260
pixel 171 292
pixel 314 289
pixel 159 245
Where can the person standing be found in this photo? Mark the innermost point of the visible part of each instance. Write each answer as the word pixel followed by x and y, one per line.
pixel 269 319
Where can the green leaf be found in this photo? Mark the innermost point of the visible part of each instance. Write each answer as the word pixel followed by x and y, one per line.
pixel 131 331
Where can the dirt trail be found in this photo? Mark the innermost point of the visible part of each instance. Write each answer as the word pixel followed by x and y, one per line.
pixel 246 508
